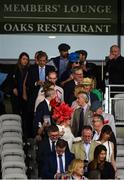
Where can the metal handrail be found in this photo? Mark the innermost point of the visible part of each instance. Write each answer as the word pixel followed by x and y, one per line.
pixel 108 98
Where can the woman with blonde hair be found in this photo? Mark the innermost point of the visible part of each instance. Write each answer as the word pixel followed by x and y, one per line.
pixel 76 170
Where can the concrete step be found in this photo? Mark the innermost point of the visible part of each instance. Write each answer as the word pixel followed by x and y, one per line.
pixel 120 159
pixel 120 165
pixel 121 173
pixel 120 141
pixel 120 146
pixel 120 152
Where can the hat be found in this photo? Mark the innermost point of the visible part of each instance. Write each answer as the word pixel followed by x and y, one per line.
pixel 73 57
pixel 64 47
pixel 96 105
pixel 82 52
pixel 87 81
pixel 62 113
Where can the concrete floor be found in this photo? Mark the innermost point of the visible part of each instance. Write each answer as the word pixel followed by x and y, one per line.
pixel 120 132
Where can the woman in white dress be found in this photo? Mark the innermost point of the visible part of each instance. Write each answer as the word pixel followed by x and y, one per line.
pixel 104 139
pixel 62 116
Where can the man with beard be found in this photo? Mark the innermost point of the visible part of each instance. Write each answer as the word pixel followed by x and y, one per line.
pixel 60 62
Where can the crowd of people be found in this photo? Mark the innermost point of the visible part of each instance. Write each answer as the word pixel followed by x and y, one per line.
pixel 60 103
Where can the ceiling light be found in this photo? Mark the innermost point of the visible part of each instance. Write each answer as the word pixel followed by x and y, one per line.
pixel 51 37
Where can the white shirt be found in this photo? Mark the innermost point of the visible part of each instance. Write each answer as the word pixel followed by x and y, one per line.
pixel 68 136
pixel 87 148
pixel 63 160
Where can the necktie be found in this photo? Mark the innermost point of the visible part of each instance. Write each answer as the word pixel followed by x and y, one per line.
pixel 81 121
pixel 53 146
pixel 61 164
pixel 42 74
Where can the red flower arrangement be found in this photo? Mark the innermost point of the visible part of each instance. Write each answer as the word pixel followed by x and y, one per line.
pixel 62 113
pixel 54 103
pixel 106 121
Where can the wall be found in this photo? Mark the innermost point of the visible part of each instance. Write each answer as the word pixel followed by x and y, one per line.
pixel 97 46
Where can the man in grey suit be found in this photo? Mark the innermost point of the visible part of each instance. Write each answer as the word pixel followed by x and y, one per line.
pixel 80 118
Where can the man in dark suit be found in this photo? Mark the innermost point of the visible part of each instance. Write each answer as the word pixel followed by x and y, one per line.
pixel 89 69
pixel 60 62
pixel 35 79
pixel 44 110
pixel 114 68
pixel 69 87
pixel 46 147
pixel 58 162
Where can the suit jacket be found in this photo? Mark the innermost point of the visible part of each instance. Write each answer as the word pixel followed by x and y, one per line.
pixel 75 120
pixel 106 172
pixel 44 150
pixel 32 78
pixel 91 70
pixel 93 97
pixel 42 109
pixel 115 68
pixel 69 96
pixel 79 150
pixel 50 166
pixel 56 62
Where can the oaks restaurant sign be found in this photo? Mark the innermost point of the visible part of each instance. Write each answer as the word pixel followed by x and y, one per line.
pixel 58 16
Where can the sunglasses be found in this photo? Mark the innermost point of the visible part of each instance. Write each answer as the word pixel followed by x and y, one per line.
pixel 77 62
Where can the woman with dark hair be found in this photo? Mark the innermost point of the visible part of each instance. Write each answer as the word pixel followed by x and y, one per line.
pixel 18 78
pixel 18 90
pixel 106 139
pixel 99 163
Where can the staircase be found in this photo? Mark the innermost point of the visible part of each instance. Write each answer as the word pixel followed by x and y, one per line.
pixel 120 152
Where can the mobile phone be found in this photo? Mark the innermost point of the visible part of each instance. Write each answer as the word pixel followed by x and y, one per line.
pixel 46 119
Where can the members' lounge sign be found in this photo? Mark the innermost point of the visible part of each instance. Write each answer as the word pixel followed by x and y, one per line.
pixel 58 16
